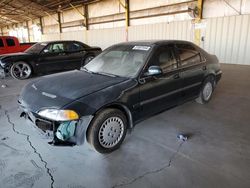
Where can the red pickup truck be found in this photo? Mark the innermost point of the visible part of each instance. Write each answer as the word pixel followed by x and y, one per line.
pixel 11 45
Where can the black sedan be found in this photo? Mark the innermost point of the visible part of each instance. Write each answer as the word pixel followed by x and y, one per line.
pixel 126 83
pixel 47 57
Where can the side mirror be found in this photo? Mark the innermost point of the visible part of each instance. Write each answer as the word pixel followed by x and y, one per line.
pixel 153 71
pixel 45 51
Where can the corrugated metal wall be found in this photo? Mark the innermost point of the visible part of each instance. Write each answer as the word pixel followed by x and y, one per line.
pixel 105 37
pixel 227 37
pixel 74 35
pixel 51 36
pixel 99 37
pixel 182 30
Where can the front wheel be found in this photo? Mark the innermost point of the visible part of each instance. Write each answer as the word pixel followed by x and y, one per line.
pixel 206 90
pixel 107 130
pixel 20 70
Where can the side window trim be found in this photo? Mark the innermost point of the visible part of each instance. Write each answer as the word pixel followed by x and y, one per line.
pixel 172 48
pixel 172 51
pixel 148 63
pixel 47 48
pixel 79 45
pixel 177 56
pixel 10 42
pixel 202 58
pixel 51 45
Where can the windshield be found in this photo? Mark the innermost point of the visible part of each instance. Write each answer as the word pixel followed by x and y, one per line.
pixel 36 48
pixel 123 60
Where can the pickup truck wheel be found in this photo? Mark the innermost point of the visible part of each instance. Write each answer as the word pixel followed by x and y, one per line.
pixel 20 70
pixel 206 90
pixel 107 130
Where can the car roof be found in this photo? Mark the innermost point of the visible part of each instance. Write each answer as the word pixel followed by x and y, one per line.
pixel 152 42
pixel 55 41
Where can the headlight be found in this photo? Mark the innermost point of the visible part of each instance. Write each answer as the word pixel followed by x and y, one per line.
pixel 59 115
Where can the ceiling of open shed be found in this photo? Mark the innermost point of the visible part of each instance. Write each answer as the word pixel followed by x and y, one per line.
pixel 16 11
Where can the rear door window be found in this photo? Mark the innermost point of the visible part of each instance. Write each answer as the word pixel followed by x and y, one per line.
pixel 10 42
pixel 1 43
pixel 74 47
pixel 188 55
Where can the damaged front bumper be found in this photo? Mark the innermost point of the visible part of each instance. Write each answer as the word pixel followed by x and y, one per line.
pixel 60 133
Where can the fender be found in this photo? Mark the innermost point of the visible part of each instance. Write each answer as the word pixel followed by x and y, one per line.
pixel 123 108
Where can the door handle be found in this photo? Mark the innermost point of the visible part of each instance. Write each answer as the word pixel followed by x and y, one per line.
pixel 204 67
pixel 176 76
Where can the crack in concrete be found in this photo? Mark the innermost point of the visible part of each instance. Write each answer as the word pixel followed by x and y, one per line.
pixel 166 165
pixel 34 149
pixel 35 165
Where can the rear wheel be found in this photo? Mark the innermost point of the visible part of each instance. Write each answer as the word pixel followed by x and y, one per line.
pixel 107 130
pixel 87 60
pixel 206 90
pixel 20 70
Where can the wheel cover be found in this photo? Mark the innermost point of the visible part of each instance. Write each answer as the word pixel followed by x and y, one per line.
pixel 207 91
pixel 21 70
pixel 111 132
pixel 88 59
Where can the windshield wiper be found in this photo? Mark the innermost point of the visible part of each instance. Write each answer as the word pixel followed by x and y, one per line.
pixel 99 72
pixel 87 70
pixel 106 74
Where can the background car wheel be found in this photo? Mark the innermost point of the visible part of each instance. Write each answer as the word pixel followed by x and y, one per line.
pixel 20 70
pixel 107 130
pixel 206 90
pixel 87 60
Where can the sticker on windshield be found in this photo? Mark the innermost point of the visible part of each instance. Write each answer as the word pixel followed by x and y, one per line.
pixel 144 48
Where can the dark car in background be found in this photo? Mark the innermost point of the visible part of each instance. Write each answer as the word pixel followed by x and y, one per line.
pixel 125 84
pixel 48 57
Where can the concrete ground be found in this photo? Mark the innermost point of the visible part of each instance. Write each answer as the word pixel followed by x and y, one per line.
pixel 217 153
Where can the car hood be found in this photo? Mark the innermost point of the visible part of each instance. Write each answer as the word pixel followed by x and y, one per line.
pixel 5 57
pixel 60 89
pixel 13 55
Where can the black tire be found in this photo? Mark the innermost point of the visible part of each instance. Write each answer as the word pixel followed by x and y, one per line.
pixel 24 69
pixel 87 59
pixel 7 69
pixel 96 131
pixel 205 96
